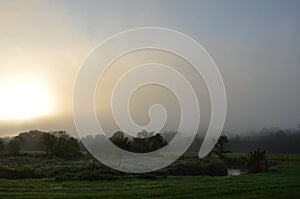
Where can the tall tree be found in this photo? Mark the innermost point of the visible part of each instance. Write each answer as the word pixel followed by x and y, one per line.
pixel 59 143
pixel 13 146
pixel 120 140
pixel 48 141
pixel 1 145
pixel 220 149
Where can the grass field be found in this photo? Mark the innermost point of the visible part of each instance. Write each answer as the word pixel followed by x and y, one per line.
pixel 281 181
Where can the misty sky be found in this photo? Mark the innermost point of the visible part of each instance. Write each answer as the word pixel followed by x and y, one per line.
pixel 256 45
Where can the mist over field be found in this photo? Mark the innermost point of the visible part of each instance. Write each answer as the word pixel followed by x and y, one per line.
pixel 255 45
pixel 149 99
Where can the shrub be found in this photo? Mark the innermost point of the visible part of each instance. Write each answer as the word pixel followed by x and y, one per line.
pixel 220 147
pixel 217 167
pixel 211 167
pixel 60 144
pixel 236 162
pixel 257 161
pixel 24 172
pixel 13 146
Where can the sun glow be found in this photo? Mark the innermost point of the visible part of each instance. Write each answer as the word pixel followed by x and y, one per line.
pixel 23 102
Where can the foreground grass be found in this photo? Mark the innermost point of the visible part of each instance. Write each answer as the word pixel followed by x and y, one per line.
pixel 282 181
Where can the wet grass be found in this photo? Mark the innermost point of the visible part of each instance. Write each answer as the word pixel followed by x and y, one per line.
pixel 281 181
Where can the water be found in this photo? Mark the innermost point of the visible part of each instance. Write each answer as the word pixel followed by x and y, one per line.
pixel 234 172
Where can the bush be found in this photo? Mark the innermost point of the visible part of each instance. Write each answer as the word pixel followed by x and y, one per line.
pixel 144 142
pixel 13 146
pixel 61 144
pixel 217 168
pixel 257 161
pixel 211 167
pixel 24 172
pixel 236 162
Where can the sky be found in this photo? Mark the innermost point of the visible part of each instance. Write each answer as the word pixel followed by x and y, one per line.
pixel 255 44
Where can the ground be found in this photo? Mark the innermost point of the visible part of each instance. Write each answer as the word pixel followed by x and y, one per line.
pixel 281 181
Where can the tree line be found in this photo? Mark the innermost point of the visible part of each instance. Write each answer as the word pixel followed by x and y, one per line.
pixel 61 144
pixel 273 140
pixel 57 143
pixel 144 142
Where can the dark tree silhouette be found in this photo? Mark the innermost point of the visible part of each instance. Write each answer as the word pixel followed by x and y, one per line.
pixel 66 146
pixel 120 140
pixel 60 144
pixel 1 145
pixel 31 140
pixel 48 141
pixel 144 134
pixel 220 147
pixel 257 161
pixel 143 143
pixel 13 146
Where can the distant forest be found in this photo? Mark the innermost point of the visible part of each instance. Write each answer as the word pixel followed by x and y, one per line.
pixel 272 140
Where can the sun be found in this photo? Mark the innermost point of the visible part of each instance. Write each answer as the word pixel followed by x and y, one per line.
pixel 23 101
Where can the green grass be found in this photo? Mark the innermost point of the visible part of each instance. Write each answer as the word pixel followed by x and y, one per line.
pixel 282 181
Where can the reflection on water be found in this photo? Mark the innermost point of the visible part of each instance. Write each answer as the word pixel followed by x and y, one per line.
pixel 234 172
